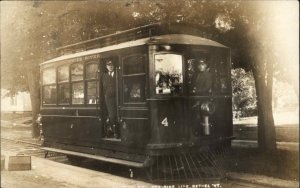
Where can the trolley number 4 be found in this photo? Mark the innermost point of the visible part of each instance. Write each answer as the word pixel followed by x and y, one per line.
pixel 165 122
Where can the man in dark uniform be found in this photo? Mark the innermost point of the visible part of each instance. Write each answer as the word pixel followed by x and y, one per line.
pixel 109 91
pixel 202 81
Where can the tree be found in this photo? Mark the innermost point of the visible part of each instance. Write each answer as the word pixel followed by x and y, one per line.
pixel 243 91
pixel 262 49
pixel 23 48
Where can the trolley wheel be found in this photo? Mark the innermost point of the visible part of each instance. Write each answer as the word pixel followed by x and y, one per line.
pixel 75 160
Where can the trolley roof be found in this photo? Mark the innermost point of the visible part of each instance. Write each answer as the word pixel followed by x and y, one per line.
pixel 162 39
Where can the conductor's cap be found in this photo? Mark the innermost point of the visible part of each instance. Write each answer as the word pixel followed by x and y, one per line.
pixel 109 62
pixel 202 61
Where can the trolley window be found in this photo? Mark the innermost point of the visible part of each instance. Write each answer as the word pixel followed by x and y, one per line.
pixel 91 71
pixel 77 93
pixel 78 86
pixel 49 94
pixel 63 84
pixel 199 73
pixel 168 74
pixel 63 73
pixel 92 92
pixel 134 78
pixel 77 71
pixel 64 93
pixel 49 76
pixel 134 65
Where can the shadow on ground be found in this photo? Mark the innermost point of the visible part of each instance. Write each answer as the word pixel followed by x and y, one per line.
pixel 281 164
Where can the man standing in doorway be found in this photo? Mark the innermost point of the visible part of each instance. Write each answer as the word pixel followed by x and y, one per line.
pixel 109 90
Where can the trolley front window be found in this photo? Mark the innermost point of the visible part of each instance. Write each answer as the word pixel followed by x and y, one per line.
pixel 168 74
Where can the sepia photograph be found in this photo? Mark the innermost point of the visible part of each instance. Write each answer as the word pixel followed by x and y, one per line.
pixel 149 94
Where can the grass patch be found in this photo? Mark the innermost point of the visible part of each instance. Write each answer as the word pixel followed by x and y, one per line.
pixel 281 164
pixel 14 116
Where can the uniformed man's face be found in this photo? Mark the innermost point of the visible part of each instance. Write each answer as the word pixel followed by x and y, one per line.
pixel 202 67
pixel 110 67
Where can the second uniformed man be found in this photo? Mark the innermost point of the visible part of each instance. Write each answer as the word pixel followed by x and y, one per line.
pixel 202 81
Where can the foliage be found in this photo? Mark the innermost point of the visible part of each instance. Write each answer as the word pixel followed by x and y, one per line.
pixel 244 95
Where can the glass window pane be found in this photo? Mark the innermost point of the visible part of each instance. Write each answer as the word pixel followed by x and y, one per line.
pixel 49 94
pixel 223 84
pixel 134 65
pixel 168 74
pixel 91 70
pixel 63 73
pixel 49 76
pixel 77 71
pixel 199 76
pixel 77 93
pixel 223 68
pixel 92 92
pixel 134 89
pixel 64 94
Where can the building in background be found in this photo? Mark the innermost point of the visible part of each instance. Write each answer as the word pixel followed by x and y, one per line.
pixel 15 103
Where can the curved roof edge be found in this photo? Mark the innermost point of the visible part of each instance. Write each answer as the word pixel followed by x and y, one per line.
pixel 161 39
pixel 185 39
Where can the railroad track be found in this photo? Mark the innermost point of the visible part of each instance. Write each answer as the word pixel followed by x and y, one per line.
pixel 21 147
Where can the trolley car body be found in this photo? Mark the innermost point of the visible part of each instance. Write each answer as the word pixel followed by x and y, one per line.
pixel 154 119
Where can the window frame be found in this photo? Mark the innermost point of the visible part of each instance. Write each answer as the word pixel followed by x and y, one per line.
pixel 126 76
pixel 45 85
pixel 77 81
pixel 210 59
pixel 183 76
pixel 96 79
pixel 60 83
pixel 224 75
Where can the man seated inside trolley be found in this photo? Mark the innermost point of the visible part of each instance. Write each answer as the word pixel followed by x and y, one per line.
pixel 111 127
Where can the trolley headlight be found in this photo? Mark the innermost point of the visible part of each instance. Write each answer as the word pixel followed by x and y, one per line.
pixel 208 107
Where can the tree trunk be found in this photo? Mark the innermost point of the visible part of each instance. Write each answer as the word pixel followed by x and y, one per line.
pixel 266 129
pixel 33 83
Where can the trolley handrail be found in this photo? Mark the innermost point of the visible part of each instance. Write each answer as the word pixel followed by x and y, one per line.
pixel 137 33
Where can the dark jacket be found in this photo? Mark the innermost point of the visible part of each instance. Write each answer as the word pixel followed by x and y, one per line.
pixel 109 92
pixel 109 85
pixel 202 82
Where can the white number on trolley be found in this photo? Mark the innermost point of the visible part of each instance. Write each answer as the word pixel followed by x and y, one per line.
pixel 165 122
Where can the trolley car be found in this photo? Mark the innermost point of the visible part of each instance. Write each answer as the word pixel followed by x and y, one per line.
pixel 158 111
